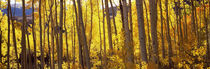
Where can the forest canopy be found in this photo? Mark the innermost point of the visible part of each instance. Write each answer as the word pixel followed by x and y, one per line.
pixel 104 34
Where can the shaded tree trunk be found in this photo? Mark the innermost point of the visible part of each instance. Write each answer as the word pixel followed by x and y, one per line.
pixel 34 35
pixel 78 35
pixel 141 28
pixel 168 37
pixel 153 18
pixel 113 16
pixel 162 32
pixel 108 25
pixel 23 41
pixel 129 60
pixel 83 36
pixel 8 42
pixel 105 60
pixel 60 47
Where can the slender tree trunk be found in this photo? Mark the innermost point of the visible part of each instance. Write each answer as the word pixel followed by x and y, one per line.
pixel 168 36
pixel 100 57
pixel 185 22
pixel 34 35
pixel 40 24
pixel 153 18
pixel 14 36
pixel 108 25
pixel 67 46
pixel 148 32
pixel 140 14
pixel 131 23
pixel 113 16
pixel 105 60
pixel 60 47
pixel 129 60
pixel 79 36
pixel 83 36
pixel 162 32
pixel 8 42
pixel 23 41
pixel 192 17
pixel 91 23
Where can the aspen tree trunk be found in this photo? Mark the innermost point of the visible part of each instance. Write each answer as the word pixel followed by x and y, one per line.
pixel 23 41
pixel 34 35
pixel 48 35
pixel 60 48
pixel 141 28
pixel 105 60
pixel 73 42
pixel 162 32
pixel 79 37
pixel 8 42
pixel 66 33
pixel 168 36
pixel 91 23
pixel 153 18
pixel 84 43
pixel 14 36
pixel 100 57
pixel 148 32
pixel 185 22
pixel 113 16
pixel 108 25
pixel 192 17
pixel 40 24
pixel 129 60
pixel 131 23
pixel 121 12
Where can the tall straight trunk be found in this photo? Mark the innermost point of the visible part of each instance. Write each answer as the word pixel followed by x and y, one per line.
pixel 162 33
pixel 60 47
pixel 185 22
pixel 148 32
pixel 121 12
pixel 23 41
pixel 83 36
pixel 29 48
pixel 40 24
pixel 14 37
pixel 79 38
pixel 108 25
pixel 8 42
pixel 129 60
pixel 168 36
pixel 99 32
pixel 141 28
pixel 180 24
pixel 34 35
pixel 91 24
pixel 193 17
pixel 73 41
pixel 153 18
pixel 131 23
pixel 113 17
pixel 67 46
pixel 48 35
pixel 105 61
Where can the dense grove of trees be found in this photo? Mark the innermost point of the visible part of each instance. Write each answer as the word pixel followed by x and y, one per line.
pixel 105 34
